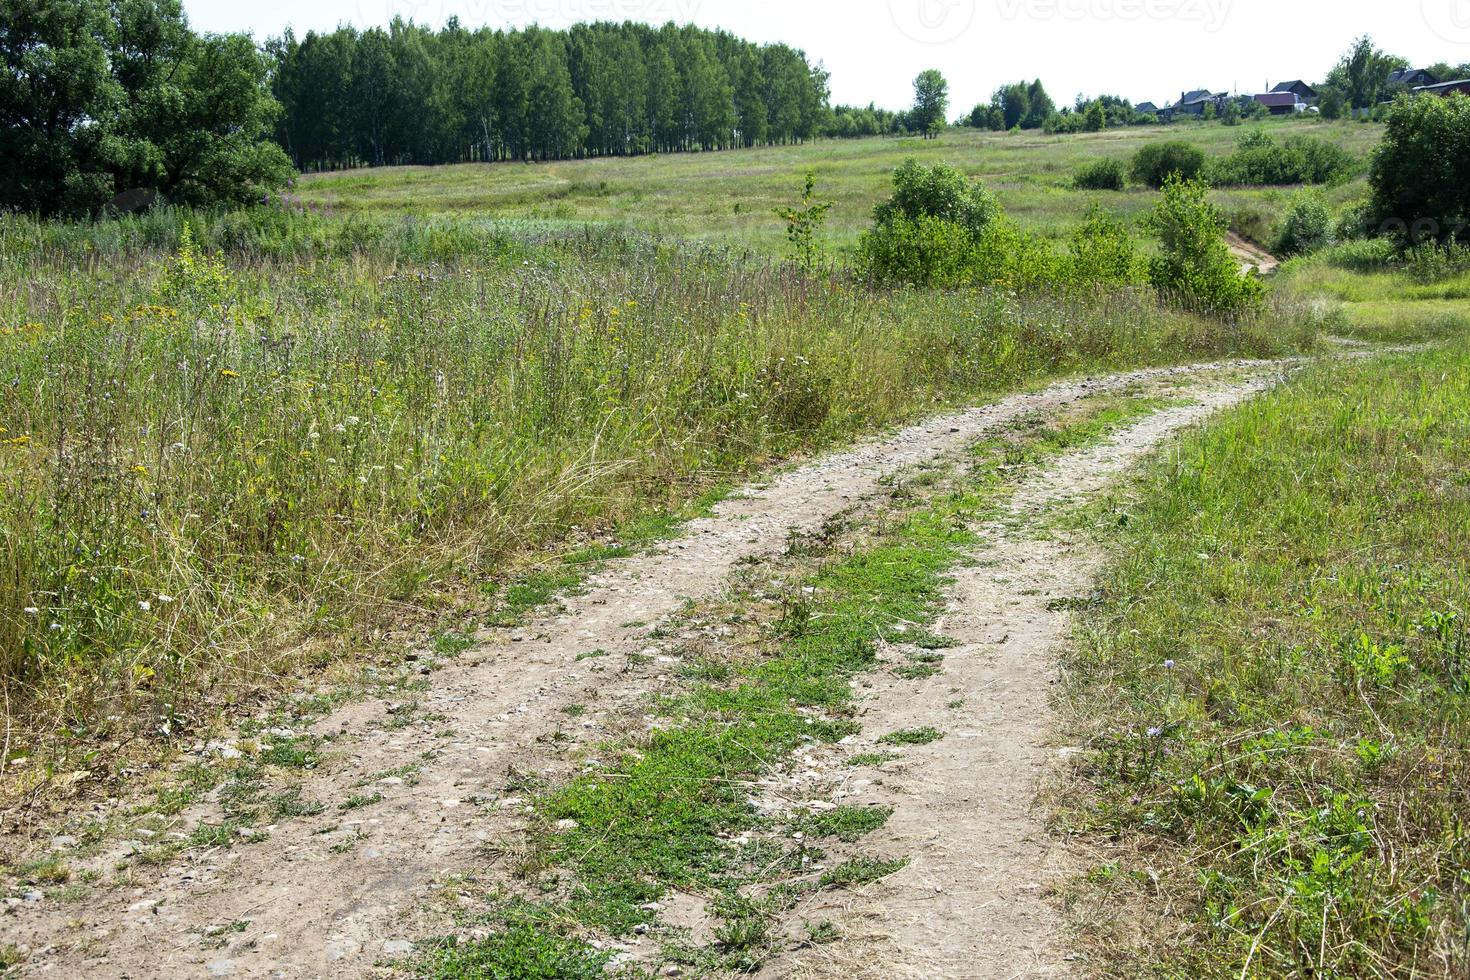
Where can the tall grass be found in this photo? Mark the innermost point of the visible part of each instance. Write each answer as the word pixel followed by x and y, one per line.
pixel 217 464
pixel 1276 689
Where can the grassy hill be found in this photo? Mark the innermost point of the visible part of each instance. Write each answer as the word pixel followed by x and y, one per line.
pixel 729 197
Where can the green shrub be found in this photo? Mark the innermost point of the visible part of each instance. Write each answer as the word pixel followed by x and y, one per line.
pixel 1103 252
pixel 922 251
pixel 942 230
pixel 1194 266
pixel 803 223
pixel 940 191
pixel 1355 221
pixel 932 252
pixel 1155 163
pixel 1420 173
pixel 1104 175
pixel 1432 263
pixel 1259 160
pixel 1308 225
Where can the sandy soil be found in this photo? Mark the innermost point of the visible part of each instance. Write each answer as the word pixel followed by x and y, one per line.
pixel 1251 255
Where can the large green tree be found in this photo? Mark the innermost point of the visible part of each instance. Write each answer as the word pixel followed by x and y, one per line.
pixel 1024 105
pixel 931 102
pixel 1360 78
pixel 56 94
pixel 98 98
pixel 1420 174
pixel 1039 106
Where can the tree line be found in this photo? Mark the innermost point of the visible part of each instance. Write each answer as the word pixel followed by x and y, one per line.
pixel 408 94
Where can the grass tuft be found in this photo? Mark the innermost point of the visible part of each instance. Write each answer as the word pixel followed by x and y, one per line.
pixel 912 736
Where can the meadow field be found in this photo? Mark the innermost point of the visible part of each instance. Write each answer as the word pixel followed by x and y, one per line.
pixel 248 458
pixel 729 197
pixel 237 442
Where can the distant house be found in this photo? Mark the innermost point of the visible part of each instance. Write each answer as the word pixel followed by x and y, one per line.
pixel 1445 88
pixel 1412 77
pixel 1193 103
pixel 1282 103
pixel 1146 109
pixel 1303 91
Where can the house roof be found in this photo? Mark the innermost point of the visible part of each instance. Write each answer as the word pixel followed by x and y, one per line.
pixel 1411 75
pixel 1277 99
pixel 1444 88
pixel 1292 86
pixel 1198 95
pixel 1145 107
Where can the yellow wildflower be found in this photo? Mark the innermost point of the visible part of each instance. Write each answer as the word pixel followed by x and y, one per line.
pixel 227 373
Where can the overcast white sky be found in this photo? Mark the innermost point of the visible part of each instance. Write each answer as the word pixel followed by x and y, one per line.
pixel 1140 49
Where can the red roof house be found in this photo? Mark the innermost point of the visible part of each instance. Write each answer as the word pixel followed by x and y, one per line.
pixel 1281 103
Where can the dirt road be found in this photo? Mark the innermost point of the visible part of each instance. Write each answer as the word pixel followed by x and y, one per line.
pixel 333 893
pixel 972 902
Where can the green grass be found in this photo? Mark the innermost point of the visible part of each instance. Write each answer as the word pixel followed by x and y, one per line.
pixel 659 811
pixel 534 590
pixel 358 800
pixel 912 736
pixel 220 470
pixel 861 871
pixel 520 953
pixel 730 197
pixel 1275 688
pixel 688 784
pixel 847 823
pixel 1382 301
